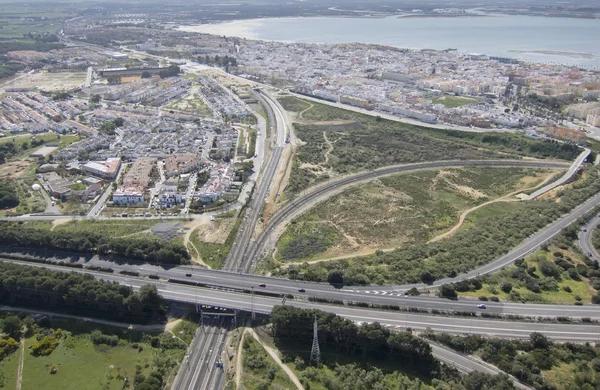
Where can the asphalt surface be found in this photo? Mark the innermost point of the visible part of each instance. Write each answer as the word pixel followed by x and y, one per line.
pixel 585 238
pixel 239 257
pixel 198 369
pixel 467 364
pixel 393 319
pixel 565 178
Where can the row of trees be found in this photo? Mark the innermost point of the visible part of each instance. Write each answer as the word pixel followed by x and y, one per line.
pixel 338 336
pixel 140 248
pixel 343 336
pixel 78 294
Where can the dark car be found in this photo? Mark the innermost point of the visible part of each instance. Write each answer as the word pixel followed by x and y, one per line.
pixel 301 290
pixel 188 275
pixel 262 285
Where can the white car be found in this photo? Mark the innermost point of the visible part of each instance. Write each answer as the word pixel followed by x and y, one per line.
pixel 481 306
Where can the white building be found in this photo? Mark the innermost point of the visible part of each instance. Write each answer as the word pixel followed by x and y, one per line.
pixel 124 196
pixel 170 199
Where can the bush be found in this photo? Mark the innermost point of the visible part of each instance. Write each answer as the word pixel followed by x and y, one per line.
pixel 573 274
pixel 494 299
pixel 596 299
pixel 45 346
pixel 483 298
pixel 567 289
pixel 506 287
pixel 548 268
pixel 98 337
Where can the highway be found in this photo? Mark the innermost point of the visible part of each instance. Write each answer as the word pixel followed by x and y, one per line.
pixel 239 258
pixel 565 178
pixel 467 364
pixel 585 238
pixel 394 319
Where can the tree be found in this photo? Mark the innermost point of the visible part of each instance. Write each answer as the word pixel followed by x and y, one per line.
pixel 114 79
pixel 2 158
pixel 447 291
pixel 336 277
pixel 538 341
pixel 13 327
pixel 95 98
pixel 146 74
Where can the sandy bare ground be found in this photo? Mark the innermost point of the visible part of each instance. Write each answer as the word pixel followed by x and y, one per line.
pixel 51 81
pixel 14 169
pixel 58 222
pixel 191 229
pixel 505 198
pixel 169 326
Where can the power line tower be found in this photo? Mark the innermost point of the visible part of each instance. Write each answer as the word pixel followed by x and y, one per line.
pixel 315 353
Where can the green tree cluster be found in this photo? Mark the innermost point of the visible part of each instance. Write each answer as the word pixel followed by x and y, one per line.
pixel 8 195
pixel 79 294
pixel 149 249
pixel 528 359
pixel 171 71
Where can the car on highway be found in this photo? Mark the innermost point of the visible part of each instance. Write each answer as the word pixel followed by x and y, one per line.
pixel 301 290
pixel 481 306
pixel 188 275
pixel 262 285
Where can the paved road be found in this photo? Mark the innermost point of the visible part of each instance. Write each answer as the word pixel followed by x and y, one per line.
pixel 585 238
pixel 239 258
pixel 95 210
pixel 394 319
pixel 565 178
pixel 467 364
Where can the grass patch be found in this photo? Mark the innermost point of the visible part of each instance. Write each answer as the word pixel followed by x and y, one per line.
pixel 290 103
pixel 260 371
pixel 108 228
pixel 215 254
pixel 399 210
pixel 455 101
pixel 81 363
pixel 361 142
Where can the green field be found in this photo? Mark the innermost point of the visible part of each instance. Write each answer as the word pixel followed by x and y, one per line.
pixel 293 104
pixel 109 228
pixel 398 210
pixel 455 101
pixel 338 142
pixel 81 363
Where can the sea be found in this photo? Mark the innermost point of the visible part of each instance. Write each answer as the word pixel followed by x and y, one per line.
pixel 565 41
